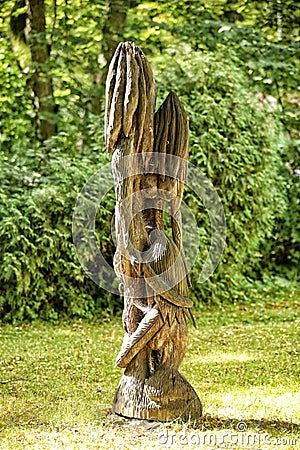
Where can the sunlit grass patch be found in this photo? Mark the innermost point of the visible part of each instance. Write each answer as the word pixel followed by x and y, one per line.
pixel 57 382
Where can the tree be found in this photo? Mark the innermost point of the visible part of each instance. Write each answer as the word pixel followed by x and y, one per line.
pixel 113 30
pixel 38 56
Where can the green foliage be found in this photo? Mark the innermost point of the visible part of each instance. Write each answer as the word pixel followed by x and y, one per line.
pixel 40 273
pixel 283 249
pixel 77 41
pixel 262 37
pixel 15 106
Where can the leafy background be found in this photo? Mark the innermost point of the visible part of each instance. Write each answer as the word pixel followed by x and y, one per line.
pixel 234 65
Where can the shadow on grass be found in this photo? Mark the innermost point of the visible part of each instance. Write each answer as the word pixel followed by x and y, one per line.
pixel 209 423
pixel 271 426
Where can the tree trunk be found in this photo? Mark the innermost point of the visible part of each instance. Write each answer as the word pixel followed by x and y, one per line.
pixel 114 27
pixel 41 81
pixel 149 165
pixel 113 32
pixel 33 52
pixel 18 38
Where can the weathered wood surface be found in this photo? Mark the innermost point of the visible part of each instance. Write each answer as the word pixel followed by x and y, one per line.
pixel 151 267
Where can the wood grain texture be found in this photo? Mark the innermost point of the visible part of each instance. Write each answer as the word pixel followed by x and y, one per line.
pixel 151 266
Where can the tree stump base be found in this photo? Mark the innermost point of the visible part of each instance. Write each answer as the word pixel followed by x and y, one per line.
pixel 165 396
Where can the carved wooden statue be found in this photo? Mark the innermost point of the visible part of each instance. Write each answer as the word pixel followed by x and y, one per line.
pixel 149 167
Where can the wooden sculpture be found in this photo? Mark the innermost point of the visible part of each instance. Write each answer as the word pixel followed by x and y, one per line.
pixel 149 155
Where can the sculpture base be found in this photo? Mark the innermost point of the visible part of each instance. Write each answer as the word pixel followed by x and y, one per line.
pixel 164 396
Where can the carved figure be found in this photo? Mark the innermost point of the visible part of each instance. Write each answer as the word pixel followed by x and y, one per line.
pixel 149 154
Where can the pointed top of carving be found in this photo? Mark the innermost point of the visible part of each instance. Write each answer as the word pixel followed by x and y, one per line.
pixel 130 97
pixel 171 127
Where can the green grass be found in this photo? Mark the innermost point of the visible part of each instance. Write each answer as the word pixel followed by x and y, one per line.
pixel 242 360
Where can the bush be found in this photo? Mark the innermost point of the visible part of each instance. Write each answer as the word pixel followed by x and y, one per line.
pixel 284 247
pixel 40 273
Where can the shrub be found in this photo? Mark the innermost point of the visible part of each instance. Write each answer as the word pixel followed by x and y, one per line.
pixel 40 274
pixel 284 247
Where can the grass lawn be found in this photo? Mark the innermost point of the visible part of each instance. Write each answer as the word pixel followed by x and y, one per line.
pixel 57 383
